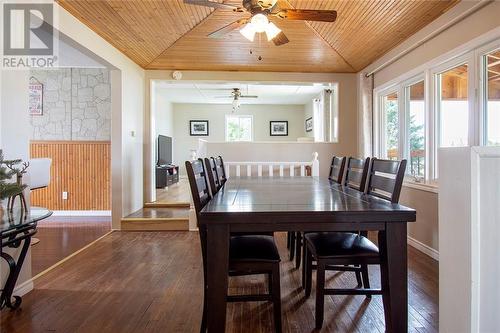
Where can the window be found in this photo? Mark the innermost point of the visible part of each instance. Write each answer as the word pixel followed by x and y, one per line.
pixel 491 70
pixel 391 126
pixel 453 107
pixel 239 128
pixel 415 125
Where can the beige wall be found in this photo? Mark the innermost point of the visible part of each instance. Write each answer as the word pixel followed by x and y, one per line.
pixel 425 230
pixel 216 115
pixel 347 105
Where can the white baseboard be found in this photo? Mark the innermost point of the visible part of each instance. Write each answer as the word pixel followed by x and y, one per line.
pixel 81 213
pixel 24 288
pixel 423 248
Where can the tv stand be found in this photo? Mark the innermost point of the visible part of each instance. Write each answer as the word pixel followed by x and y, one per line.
pixel 166 175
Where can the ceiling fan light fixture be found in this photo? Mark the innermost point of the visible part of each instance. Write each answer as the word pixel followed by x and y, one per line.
pixel 260 22
pixel 272 31
pixel 236 104
pixel 248 31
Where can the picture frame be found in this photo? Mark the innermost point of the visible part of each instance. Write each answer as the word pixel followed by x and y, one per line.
pixel 309 124
pixel 278 128
pixel 35 92
pixel 198 128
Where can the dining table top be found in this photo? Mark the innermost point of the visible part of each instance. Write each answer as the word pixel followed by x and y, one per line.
pixel 307 196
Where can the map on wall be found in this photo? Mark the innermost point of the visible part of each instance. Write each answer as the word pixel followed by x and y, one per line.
pixel 35 99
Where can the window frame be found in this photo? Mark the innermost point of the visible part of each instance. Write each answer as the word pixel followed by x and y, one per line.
pixel 473 55
pixel 480 55
pixel 239 116
pixel 405 125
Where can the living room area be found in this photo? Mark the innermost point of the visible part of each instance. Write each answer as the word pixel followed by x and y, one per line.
pixel 263 116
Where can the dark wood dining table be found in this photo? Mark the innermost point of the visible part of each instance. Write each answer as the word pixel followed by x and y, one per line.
pixel 303 204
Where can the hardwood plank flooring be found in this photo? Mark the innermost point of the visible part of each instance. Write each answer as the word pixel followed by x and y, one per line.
pixel 61 236
pixel 176 193
pixel 152 282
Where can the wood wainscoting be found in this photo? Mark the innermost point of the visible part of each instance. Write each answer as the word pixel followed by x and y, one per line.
pixel 80 168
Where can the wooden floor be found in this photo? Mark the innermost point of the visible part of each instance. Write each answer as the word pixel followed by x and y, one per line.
pixel 61 236
pixel 178 193
pixel 152 282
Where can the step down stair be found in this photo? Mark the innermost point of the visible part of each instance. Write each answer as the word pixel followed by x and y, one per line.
pixel 157 219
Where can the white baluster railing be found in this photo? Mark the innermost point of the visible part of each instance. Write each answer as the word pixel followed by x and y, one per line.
pixel 267 169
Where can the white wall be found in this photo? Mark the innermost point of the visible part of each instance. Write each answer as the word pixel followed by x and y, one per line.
pixel 425 230
pixel 164 119
pixel 128 86
pixel 14 141
pixel 216 113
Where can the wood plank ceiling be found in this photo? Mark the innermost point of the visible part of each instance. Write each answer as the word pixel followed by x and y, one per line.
pixel 168 34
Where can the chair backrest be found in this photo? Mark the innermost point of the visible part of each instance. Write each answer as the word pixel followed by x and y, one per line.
pixel 386 179
pixel 201 196
pixel 39 172
pixel 356 173
pixel 337 169
pixel 221 171
pixel 198 182
pixel 213 178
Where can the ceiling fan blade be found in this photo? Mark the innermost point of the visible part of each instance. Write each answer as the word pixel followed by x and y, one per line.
pixel 249 96
pixel 213 4
pixel 228 28
pixel 307 15
pixel 281 39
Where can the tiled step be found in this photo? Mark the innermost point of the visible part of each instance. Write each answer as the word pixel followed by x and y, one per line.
pixel 157 219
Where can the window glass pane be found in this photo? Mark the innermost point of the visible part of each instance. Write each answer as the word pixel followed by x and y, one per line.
pixel 239 128
pixel 454 107
pixel 391 123
pixel 416 129
pixel 492 116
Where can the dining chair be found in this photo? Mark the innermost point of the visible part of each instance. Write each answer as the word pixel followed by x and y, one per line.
pixel 341 250
pixel 248 254
pixel 213 178
pixel 296 239
pixel 356 172
pixel 221 170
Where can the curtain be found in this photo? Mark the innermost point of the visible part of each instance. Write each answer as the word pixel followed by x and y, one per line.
pixel 365 115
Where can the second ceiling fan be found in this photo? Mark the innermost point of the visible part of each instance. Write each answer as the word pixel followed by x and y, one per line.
pixel 259 22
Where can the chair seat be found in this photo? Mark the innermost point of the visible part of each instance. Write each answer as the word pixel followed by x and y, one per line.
pixel 340 244
pixel 253 248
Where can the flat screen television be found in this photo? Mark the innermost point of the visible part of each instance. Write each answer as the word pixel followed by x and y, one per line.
pixel 164 150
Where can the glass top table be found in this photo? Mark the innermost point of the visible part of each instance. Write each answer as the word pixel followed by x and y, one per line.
pixel 18 219
pixel 16 229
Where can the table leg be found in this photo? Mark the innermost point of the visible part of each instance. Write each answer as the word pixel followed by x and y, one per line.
pixel 14 270
pixel 394 271
pixel 217 276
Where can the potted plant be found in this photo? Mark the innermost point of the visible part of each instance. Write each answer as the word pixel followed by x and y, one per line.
pixel 7 188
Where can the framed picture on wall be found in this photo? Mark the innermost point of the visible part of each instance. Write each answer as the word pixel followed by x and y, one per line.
pixel 278 128
pixel 309 124
pixel 198 127
pixel 35 91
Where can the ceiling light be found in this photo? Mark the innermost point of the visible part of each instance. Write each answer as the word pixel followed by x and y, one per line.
pixel 248 31
pixel 236 104
pixel 260 23
pixel 272 31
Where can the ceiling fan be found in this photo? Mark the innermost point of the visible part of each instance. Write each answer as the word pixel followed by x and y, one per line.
pixel 259 22
pixel 236 95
